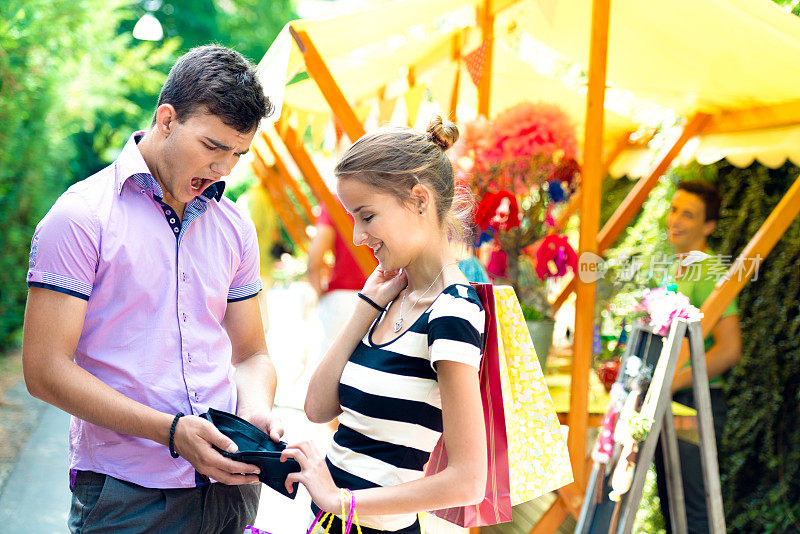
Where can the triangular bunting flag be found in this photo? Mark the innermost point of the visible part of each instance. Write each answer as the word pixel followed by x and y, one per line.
pixel 302 119
pixel 362 112
pixel 474 63
pixel 413 100
pixel 386 110
pixel 318 123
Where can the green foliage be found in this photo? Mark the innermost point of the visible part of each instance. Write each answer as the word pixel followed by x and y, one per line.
pixel 248 26
pixel 53 82
pixel 74 85
pixel 761 448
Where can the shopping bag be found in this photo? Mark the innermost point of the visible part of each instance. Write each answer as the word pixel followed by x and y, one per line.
pixel 538 457
pixel 324 521
pixel 496 505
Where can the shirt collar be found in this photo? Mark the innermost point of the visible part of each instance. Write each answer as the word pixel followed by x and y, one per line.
pixel 131 164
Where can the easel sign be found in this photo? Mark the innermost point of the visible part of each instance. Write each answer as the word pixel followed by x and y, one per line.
pixel 657 412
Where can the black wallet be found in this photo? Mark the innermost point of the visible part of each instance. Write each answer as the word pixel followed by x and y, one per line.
pixel 255 448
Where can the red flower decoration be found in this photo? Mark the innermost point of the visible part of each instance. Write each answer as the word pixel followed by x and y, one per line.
pixel 524 146
pixel 493 212
pixel 554 251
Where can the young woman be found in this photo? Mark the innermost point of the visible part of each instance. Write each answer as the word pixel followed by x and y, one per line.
pixel 404 370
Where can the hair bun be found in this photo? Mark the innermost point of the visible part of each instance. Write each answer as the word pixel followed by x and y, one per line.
pixel 443 133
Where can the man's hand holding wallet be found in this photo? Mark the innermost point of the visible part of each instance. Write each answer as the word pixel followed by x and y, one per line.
pixel 255 447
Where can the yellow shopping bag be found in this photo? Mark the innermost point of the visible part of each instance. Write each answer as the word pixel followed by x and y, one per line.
pixel 537 451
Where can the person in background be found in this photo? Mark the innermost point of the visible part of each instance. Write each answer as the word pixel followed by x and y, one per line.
pixel 404 370
pixel 141 309
pixel 692 217
pixel 338 286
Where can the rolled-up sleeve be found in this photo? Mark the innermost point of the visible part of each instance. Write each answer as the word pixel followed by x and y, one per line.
pixel 65 249
pixel 247 281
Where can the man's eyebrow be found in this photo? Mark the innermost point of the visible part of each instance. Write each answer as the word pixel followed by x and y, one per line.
pixel 217 144
pixel 222 146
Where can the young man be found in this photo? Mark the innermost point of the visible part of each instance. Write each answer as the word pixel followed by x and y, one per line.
pixel 141 309
pixel 692 217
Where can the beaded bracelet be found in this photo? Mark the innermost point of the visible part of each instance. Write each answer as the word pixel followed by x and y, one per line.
pixel 172 435
pixel 371 302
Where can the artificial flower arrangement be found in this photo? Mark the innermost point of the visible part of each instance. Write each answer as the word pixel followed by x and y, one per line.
pixel 520 166
pixel 662 305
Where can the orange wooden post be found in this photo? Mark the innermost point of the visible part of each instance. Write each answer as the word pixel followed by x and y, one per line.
pixel 366 261
pixel 457 80
pixel 486 20
pixel 552 519
pixel 286 177
pixel 293 226
pixel 327 85
pixel 632 203
pixel 592 176
pixel 751 256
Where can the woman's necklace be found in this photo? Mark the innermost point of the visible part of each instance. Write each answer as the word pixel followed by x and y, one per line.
pixel 398 325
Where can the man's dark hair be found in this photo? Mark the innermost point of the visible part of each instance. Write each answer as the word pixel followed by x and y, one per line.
pixel 707 193
pixel 217 80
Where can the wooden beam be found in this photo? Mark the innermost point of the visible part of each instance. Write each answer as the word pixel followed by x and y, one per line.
pixel 281 203
pixel 632 203
pixel 636 197
pixel 456 57
pixel 366 261
pixel 486 20
pixel 286 178
pixel 500 5
pixel 552 518
pixel 327 85
pixel 755 118
pixel 591 182
pixel 752 255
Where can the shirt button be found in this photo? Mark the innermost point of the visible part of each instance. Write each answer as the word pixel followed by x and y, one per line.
pixel 169 212
pixel 142 191
pixel 176 230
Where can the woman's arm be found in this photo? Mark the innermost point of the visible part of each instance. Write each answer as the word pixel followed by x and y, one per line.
pixel 322 398
pixel 462 482
pixel 322 243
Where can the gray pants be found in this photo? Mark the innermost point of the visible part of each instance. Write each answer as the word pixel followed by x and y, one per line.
pixel 104 504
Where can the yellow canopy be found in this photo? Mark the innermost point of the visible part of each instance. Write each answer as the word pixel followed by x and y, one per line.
pixel 408 34
pixel 664 52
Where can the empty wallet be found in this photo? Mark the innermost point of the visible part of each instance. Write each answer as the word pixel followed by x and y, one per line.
pixel 255 448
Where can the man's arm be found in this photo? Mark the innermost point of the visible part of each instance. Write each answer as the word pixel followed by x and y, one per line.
pixel 52 328
pixel 724 354
pixel 255 375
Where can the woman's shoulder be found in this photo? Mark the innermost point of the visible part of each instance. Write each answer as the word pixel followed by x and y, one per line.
pixel 459 300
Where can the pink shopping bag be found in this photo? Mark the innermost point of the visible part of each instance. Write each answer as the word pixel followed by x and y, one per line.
pixel 496 505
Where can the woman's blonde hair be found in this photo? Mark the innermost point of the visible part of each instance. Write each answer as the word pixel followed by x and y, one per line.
pixel 394 159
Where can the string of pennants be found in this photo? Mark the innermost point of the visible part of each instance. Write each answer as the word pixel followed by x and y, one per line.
pixel 319 125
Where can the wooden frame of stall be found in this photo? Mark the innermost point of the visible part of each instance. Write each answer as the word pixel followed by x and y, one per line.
pixel 592 238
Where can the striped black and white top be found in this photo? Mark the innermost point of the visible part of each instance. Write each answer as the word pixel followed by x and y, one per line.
pixel 391 407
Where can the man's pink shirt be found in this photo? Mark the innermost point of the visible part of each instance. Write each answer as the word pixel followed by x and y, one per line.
pixel 153 327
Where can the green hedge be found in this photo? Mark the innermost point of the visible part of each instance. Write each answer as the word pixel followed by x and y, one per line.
pixel 761 448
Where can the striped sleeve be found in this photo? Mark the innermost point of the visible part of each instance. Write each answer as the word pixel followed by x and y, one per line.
pixel 247 279
pixel 65 249
pixel 455 331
